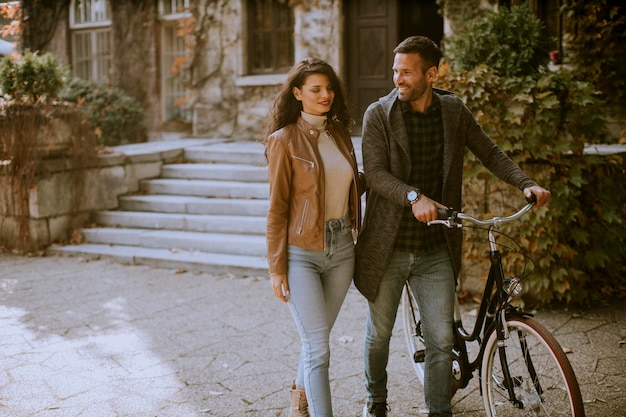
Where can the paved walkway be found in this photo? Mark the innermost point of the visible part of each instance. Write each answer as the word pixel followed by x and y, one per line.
pixel 96 338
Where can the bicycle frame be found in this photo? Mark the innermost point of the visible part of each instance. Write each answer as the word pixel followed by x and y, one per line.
pixel 521 366
pixel 493 309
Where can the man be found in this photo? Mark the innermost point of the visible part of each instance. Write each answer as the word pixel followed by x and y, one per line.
pixel 414 140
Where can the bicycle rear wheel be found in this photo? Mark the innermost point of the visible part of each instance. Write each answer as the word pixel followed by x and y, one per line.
pixel 413 332
pixel 543 378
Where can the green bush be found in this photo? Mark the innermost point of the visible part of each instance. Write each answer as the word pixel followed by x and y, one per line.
pixel 31 77
pixel 544 121
pixel 510 41
pixel 117 116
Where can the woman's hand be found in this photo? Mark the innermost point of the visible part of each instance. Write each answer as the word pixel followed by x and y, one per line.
pixel 280 286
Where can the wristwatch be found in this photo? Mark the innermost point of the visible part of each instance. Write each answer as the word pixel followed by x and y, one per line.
pixel 413 195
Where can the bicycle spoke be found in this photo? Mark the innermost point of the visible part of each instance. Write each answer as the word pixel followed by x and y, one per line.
pixel 412 333
pixel 541 376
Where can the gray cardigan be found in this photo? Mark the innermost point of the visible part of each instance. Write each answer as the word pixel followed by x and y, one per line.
pixel 387 166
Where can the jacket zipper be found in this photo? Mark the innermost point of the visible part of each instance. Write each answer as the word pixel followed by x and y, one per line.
pixel 311 163
pixel 302 217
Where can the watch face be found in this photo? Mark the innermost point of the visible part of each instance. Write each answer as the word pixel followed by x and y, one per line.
pixel 411 195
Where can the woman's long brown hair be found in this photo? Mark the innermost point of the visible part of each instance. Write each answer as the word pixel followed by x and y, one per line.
pixel 286 109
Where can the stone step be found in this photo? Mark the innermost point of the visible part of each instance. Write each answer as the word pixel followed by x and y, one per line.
pixel 188 222
pixel 177 240
pixel 241 152
pixel 206 213
pixel 213 263
pixel 206 188
pixel 194 205
pixel 220 172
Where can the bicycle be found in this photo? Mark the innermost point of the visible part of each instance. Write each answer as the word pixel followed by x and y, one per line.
pixel 523 370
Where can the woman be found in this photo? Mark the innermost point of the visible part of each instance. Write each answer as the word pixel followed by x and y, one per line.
pixel 314 210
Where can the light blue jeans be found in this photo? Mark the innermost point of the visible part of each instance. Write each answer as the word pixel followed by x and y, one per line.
pixel 318 284
pixel 432 280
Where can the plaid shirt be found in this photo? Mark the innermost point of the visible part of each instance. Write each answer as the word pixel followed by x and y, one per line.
pixel 425 131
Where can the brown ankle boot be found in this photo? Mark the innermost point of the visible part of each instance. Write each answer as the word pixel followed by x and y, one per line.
pixel 299 406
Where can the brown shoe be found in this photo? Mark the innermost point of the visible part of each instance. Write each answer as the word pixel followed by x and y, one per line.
pixel 299 406
pixel 373 409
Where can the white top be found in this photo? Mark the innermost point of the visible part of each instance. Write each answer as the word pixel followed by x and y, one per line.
pixel 337 169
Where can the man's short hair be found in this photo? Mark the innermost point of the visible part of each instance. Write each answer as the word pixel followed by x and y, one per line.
pixel 422 45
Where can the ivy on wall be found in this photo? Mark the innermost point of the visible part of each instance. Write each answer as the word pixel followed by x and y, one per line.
pixel 597 43
pixel 578 240
pixel 543 120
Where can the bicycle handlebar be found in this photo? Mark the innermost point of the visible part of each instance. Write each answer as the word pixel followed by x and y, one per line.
pixel 450 218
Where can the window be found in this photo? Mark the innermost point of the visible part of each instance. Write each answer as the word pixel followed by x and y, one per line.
pixel 85 13
pixel 91 40
pixel 9 22
pixel 173 8
pixel 270 36
pixel 174 92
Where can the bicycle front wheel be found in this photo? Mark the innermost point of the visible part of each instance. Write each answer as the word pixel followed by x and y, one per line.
pixel 413 333
pixel 541 375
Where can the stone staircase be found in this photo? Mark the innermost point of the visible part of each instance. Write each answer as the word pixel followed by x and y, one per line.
pixel 207 214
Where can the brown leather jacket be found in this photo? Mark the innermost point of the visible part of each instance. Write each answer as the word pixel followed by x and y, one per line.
pixel 296 177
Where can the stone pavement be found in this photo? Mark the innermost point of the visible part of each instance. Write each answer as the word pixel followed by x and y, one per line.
pixel 96 338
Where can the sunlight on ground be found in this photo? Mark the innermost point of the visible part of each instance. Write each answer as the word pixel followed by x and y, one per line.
pixel 97 368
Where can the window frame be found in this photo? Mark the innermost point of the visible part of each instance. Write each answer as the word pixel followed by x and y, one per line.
pixel 89 24
pixel 275 32
pixel 175 15
pixel 99 60
pixel 168 23
pixel 99 63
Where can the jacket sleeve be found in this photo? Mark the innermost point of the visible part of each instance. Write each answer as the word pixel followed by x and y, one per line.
pixel 279 173
pixel 382 178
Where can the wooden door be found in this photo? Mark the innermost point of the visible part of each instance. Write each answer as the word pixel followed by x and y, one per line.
pixel 373 29
pixel 371 34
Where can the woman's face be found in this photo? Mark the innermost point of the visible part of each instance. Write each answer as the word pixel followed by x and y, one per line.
pixel 316 94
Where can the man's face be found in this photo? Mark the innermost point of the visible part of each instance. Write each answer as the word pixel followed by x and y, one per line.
pixel 409 78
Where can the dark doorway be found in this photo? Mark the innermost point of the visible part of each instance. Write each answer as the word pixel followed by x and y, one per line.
pixel 419 17
pixel 373 29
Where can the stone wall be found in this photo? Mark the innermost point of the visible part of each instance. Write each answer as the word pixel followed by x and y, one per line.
pixel 52 214
pixel 231 103
pixel 226 100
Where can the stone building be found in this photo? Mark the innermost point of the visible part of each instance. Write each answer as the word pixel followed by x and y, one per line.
pixel 233 54
pixel 214 66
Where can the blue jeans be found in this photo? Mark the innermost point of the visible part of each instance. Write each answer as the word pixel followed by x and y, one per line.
pixel 318 284
pixel 432 280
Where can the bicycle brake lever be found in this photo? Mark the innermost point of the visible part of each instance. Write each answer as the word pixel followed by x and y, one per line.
pixel 447 217
pixel 443 222
pixel 450 223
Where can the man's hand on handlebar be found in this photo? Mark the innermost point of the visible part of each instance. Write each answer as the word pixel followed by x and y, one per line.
pixel 425 209
pixel 540 195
